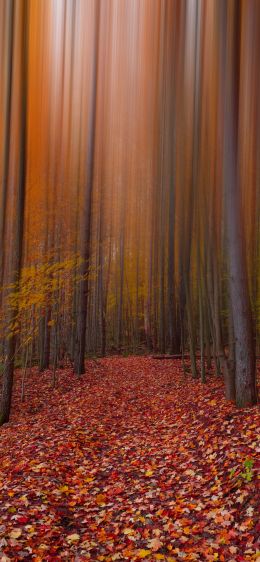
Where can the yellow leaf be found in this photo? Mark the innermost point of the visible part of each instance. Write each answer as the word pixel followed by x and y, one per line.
pixel 73 538
pixel 15 534
pixel 64 488
pixel 149 472
pixel 159 556
pixel 25 500
pixel 143 553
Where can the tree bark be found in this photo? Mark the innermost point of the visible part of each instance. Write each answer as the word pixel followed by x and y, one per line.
pixel 238 282
pixel 7 386
pixel 79 359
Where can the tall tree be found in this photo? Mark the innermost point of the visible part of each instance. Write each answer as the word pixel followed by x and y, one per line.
pixel 7 130
pixel 79 358
pixel 238 282
pixel 22 15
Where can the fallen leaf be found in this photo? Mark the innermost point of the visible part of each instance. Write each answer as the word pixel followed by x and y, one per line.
pixel 73 538
pixel 15 534
pixel 143 553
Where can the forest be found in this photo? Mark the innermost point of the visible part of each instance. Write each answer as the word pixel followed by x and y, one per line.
pixel 129 280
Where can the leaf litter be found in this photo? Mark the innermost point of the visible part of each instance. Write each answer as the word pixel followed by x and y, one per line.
pixel 131 461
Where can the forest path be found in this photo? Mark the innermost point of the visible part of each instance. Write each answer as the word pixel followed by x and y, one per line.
pixel 131 461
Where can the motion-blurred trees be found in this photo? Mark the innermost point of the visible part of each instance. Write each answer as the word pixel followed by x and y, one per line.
pixel 129 220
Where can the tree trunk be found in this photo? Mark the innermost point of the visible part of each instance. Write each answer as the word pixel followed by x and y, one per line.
pixel 22 10
pixel 79 359
pixel 7 134
pixel 238 282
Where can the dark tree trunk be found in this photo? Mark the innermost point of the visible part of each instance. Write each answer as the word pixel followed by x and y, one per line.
pixel 18 234
pixel 7 133
pixel 238 282
pixel 79 359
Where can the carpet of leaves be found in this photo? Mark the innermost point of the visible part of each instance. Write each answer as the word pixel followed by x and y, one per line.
pixel 131 461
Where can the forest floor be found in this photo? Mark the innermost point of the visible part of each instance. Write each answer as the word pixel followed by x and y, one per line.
pixel 131 461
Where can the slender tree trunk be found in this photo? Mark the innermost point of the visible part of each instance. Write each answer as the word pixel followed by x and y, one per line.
pixel 24 373
pixel 230 383
pixel 79 359
pixel 121 279
pixel 7 133
pixel 202 338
